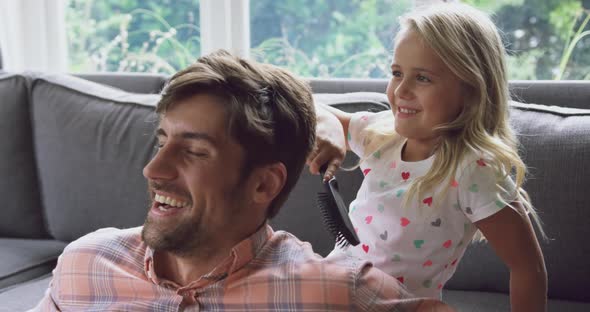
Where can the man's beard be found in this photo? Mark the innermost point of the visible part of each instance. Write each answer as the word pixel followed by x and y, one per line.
pixel 181 239
pixel 188 236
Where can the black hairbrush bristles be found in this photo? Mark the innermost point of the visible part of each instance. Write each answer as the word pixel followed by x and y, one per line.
pixel 335 213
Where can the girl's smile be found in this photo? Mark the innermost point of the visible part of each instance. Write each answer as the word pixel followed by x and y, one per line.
pixel 406 112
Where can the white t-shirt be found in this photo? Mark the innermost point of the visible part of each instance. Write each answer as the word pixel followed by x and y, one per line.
pixel 422 243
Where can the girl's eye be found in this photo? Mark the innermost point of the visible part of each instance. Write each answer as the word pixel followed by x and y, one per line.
pixel 158 146
pixel 396 73
pixel 423 78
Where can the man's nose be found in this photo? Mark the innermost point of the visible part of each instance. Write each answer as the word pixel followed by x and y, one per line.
pixel 161 167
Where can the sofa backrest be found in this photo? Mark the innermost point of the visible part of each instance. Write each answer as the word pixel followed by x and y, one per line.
pixel 90 143
pixel 572 93
pixel 566 93
pixel 130 82
pixel 22 213
pixel 569 93
pixel 556 148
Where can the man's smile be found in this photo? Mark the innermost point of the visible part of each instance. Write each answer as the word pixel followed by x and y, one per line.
pixel 164 205
pixel 167 200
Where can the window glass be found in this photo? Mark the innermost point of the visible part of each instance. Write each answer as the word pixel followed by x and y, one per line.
pixel 329 38
pixel 545 39
pixel 132 35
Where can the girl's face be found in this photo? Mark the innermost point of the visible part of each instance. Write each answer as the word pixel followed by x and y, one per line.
pixel 423 92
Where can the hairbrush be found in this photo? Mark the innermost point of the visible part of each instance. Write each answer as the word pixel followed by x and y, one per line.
pixel 335 213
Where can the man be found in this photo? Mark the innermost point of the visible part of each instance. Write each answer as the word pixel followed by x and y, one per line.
pixel 233 137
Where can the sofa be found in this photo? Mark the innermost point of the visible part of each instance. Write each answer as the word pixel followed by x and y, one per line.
pixel 73 148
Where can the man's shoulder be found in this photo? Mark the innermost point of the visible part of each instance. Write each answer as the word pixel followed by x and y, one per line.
pixel 108 240
pixel 284 246
pixel 287 249
pixel 340 276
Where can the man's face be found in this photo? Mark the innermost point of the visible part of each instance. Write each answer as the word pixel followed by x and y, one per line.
pixel 198 199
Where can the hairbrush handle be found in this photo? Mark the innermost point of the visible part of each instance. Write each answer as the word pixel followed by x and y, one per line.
pixel 333 190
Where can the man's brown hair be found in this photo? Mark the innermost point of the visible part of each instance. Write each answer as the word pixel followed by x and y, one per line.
pixel 270 112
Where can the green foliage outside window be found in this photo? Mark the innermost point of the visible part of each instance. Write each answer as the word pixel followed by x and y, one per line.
pixel 132 35
pixel 545 39
pixel 327 38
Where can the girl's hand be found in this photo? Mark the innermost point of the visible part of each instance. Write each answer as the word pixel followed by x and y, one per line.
pixel 330 146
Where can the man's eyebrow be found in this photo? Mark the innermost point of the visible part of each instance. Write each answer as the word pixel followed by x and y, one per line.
pixel 188 135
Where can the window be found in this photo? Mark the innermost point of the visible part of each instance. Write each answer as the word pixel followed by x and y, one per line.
pixel 137 36
pixel 326 38
pixel 545 39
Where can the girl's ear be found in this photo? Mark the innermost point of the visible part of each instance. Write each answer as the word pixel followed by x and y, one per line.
pixel 468 92
pixel 467 95
pixel 267 183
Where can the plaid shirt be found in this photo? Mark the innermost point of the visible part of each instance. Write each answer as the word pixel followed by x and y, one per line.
pixel 112 270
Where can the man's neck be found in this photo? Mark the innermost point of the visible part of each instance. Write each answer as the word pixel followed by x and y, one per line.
pixel 183 270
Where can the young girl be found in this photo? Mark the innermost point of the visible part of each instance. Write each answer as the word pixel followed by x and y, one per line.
pixel 443 163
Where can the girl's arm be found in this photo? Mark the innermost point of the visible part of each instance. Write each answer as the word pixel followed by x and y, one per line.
pixel 331 144
pixel 512 237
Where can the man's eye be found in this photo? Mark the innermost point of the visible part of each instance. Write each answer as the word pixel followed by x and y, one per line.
pixel 197 154
pixel 422 78
pixel 158 146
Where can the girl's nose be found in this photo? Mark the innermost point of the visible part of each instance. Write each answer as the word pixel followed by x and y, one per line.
pixel 404 90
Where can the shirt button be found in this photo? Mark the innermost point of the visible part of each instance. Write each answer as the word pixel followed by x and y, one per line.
pixel 189 298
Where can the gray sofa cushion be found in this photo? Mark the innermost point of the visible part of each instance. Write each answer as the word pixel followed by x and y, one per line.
pixel 92 142
pixel 22 212
pixel 480 301
pixel 24 259
pixel 354 102
pixel 556 148
pixel 350 86
pixel 131 82
pixel 24 296
pixel 573 93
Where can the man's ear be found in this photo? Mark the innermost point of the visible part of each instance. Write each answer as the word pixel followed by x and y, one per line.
pixel 268 181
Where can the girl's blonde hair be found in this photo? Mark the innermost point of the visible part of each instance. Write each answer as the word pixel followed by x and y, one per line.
pixel 468 42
